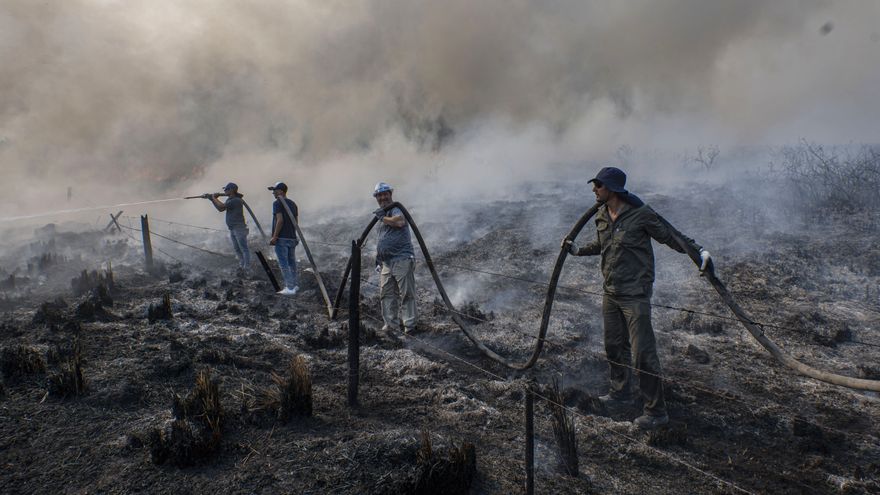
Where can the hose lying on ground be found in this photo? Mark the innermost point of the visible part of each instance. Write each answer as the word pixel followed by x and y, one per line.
pixel 726 297
pixel 758 334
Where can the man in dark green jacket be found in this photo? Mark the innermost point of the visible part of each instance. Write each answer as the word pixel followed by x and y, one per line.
pixel 624 227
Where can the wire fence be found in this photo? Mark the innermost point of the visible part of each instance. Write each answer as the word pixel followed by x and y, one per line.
pixel 675 459
pixel 762 325
pixel 471 316
pixel 728 396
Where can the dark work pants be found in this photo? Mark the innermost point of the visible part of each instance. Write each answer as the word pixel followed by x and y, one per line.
pixel 629 342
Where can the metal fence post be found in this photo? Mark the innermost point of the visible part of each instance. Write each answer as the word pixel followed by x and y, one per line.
pixel 354 325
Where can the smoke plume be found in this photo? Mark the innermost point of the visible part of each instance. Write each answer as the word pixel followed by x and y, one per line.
pixel 125 99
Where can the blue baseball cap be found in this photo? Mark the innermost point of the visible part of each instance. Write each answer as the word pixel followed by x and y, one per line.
pixel 280 186
pixel 231 185
pixel 613 178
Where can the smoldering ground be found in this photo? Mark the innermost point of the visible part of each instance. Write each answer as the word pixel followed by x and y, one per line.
pixel 733 408
pixel 488 118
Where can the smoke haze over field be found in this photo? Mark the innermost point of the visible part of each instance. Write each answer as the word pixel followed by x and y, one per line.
pixel 166 97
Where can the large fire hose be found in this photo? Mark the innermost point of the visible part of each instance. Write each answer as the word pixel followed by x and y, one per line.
pixel 241 196
pixel 302 238
pixel 726 297
pixel 548 302
pixel 318 277
pixel 758 333
pixel 256 222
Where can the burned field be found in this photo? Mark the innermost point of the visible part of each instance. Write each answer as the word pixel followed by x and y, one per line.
pixel 191 379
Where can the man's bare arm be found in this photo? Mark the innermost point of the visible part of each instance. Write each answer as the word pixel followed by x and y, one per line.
pixel 397 221
pixel 217 203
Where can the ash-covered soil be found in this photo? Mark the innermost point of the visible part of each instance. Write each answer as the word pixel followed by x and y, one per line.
pixel 740 421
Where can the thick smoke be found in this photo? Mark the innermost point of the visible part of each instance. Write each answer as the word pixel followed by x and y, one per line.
pixel 163 97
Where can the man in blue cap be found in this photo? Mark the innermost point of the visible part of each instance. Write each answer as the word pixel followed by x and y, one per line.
pixel 396 264
pixel 238 230
pixel 625 226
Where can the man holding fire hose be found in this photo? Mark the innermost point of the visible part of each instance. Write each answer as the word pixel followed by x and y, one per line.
pixel 284 215
pixel 395 260
pixel 238 230
pixel 624 227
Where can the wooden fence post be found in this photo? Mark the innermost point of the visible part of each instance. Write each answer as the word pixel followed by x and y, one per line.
pixel 354 325
pixel 148 245
pixel 530 438
pixel 114 221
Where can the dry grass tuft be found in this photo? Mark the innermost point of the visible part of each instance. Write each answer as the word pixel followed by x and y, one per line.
pixel 294 390
pixel 181 443
pixel 43 262
pixel 563 431
pixel 195 433
pixel 438 475
pixel 88 281
pixel 20 360
pixel 202 403
pixel 51 312
pixel 671 436
pixel 161 311
pixel 69 382
pixel 290 397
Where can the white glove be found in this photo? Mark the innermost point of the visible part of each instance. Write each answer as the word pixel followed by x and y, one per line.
pixel 706 260
pixel 568 244
pixel 378 268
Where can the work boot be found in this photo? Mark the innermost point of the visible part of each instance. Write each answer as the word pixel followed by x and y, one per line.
pixel 649 422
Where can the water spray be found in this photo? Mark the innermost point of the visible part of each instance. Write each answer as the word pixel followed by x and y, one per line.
pixel 80 210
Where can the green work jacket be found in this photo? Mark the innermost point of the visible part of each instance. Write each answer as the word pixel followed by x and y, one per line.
pixel 625 246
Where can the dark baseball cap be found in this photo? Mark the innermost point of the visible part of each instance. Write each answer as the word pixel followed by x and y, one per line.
pixel 231 185
pixel 279 186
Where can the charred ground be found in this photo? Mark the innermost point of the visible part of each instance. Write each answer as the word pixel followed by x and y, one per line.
pixel 737 415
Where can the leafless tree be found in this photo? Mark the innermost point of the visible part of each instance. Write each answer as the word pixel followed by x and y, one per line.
pixel 824 179
pixel 707 156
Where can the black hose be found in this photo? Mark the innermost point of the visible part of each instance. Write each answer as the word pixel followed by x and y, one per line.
pixel 256 222
pixel 726 297
pixel 758 333
pixel 360 243
pixel 302 238
pixel 548 302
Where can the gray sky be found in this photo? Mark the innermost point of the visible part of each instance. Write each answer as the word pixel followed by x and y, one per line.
pixel 139 99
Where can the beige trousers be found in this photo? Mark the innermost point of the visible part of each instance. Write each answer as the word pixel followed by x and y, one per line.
pixel 397 291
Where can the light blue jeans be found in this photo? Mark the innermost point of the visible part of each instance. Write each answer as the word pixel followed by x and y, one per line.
pixel 240 244
pixel 285 250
